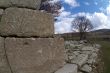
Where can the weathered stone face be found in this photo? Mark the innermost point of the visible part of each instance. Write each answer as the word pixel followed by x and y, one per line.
pixel 1 12
pixel 5 3
pixel 34 4
pixel 35 55
pixel 26 22
pixel 4 67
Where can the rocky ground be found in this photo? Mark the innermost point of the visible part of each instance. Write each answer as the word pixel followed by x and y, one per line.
pixel 82 58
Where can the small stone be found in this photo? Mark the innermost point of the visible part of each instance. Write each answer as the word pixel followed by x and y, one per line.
pixel 97 45
pixel 76 53
pixel 86 68
pixel 71 57
pixel 83 41
pixel 87 48
pixel 87 52
pixel 91 61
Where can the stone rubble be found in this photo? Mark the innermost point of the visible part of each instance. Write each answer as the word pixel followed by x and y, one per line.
pixel 80 59
pixel 82 54
pixel 86 68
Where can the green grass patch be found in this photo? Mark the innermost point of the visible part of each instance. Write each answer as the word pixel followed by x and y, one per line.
pixel 106 54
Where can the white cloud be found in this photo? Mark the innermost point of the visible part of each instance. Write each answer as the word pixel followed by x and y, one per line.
pixel 62 9
pixel 99 20
pixel 86 3
pixel 53 1
pixel 72 3
pixel 102 9
pixel 96 3
pixel 65 14
pixel 63 26
pixel 108 10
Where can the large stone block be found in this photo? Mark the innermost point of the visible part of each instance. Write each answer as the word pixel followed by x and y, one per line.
pixel 26 22
pixel 35 55
pixel 5 3
pixel 68 68
pixel 4 67
pixel 34 4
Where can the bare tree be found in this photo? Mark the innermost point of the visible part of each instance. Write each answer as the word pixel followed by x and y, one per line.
pixel 51 6
pixel 82 24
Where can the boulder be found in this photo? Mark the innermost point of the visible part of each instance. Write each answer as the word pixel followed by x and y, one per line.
pixel 34 4
pixel 80 59
pixel 4 66
pixel 88 48
pixel 68 68
pixel 26 23
pixel 92 58
pixel 35 55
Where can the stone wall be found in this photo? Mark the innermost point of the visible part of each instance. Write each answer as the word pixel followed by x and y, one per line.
pixel 27 42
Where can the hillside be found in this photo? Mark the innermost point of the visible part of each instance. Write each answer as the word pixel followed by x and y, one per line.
pixel 102 30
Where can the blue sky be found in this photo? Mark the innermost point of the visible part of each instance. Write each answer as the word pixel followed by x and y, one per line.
pixel 98 11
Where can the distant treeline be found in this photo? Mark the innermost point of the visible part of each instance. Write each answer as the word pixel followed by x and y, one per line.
pixel 90 35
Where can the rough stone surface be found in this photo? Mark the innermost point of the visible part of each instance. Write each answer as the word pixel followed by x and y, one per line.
pixel 35 55
pixel 80 60
pixel 4 67
pixel 68 68
pixel 34 4
pixel 80 72
pixel 92 58
pixel 26 22
pixel 1 12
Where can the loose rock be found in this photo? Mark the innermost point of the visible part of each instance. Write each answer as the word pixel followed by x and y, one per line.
pixel 86 68
pixel 68 68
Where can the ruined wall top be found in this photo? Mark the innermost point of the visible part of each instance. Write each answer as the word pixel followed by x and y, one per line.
pixel 33 4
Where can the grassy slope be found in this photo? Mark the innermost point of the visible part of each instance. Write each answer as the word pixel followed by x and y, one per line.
pixel 106 52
